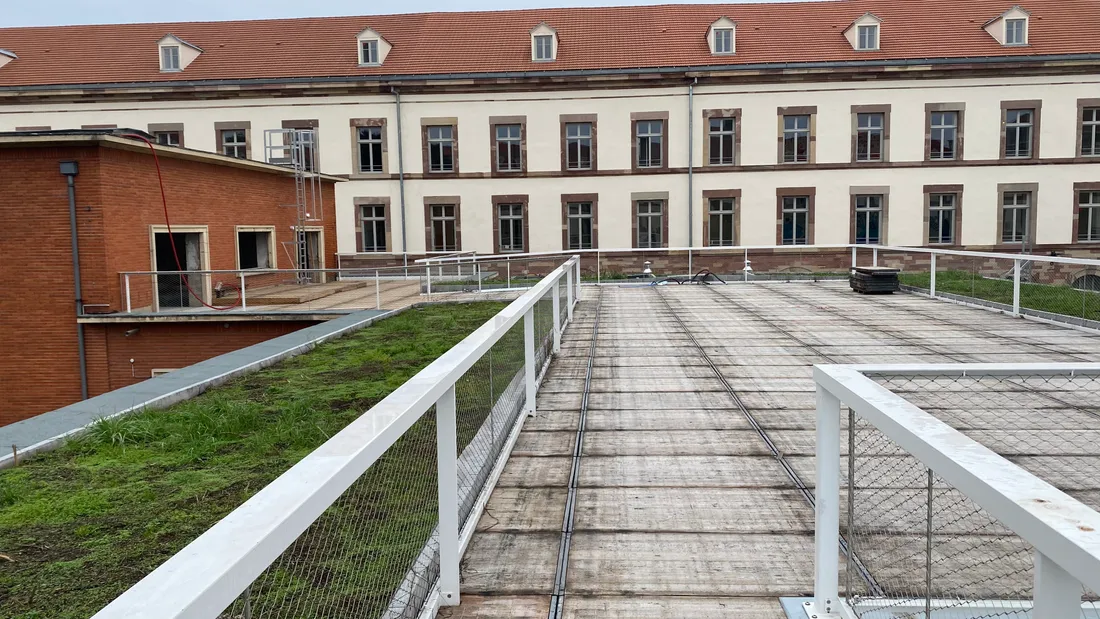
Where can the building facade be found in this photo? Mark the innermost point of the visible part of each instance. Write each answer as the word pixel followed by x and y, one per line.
pixel 537 131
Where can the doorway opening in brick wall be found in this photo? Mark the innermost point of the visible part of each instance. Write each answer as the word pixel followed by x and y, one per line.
pixel 171 287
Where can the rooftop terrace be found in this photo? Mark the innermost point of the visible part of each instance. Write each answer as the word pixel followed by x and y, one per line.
pixel 670 470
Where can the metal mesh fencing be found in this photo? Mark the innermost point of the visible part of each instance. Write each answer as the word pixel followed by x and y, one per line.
pixel 374 552
pixel 920 547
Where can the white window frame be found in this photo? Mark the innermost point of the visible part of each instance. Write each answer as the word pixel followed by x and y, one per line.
pixel 542 48
pixel 723 40
pixel 1009 30
pixel 654 211
pixel 440 142
pixel 719 156
pixel 510 219
pixel 578 134
pixel 1092 129
pixel 866 43
pixel 867 205
pixel 574 212
pixel 936 207
pixel 375 221
pixel 369 52
pixel 1016 236
pixel 866 129
pixel 725 216
pixel 170 60
pixel 167 135
pixel 443 218
pixel 943 127
pixel 1015 126
pixel 271 253
pixel 513 147
pixel 374 137
pixel 1088 213
pixel 649 139
pixel 797 134
pixel 798 207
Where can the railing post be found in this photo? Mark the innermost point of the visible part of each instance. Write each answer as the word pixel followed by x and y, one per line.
pixel 569 294
pixel 556 295
pixel 377 290
pixel 477 274
pixel 690 271
pixel 874 257
pixel 1057 593
pixel 428 270
pixel 855 250
pixel 932 277
pixel 529 358
pixel 577 282
pixel 597 267
pixel 1016 265
pixel 827 526
pixel 244 302
pixel 126 279
pixel 447 456
pixel 508 268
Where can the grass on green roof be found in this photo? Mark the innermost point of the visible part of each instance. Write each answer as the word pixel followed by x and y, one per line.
pixel 80 525
pixel 1064 300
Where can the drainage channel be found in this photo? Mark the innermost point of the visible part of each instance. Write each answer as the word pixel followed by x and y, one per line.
pixel 776 453
pixel 557 598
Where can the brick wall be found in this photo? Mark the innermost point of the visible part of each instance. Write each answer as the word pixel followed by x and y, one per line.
pixel 118 199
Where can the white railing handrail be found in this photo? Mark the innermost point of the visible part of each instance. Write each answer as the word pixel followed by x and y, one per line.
pixel 984 254
pixel 1059 527
pixel 203 579
pixel 270 271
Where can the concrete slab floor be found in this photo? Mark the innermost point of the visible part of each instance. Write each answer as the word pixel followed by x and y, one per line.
pixel 681 509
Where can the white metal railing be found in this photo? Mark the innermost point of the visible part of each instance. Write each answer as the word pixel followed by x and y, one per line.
pixel 208 575
pixel 1064 533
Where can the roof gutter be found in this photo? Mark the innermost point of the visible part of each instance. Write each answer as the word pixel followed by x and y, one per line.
pixel 428 77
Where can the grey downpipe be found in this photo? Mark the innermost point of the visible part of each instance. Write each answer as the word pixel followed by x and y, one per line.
pixel 70 169
pixel 401 179
pixel 691 168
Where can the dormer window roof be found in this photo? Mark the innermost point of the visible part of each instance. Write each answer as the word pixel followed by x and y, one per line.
pixel 721 37
pixel 544 43
pixel 6 57
pixel 864 34
pixel 373 48
pixel 176 54
pixel 1011 27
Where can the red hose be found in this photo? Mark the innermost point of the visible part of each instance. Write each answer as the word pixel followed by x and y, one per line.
pixel 168 224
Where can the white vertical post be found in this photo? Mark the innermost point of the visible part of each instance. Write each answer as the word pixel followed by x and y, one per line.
pixel 126 280
pixel 874 257
pixel 690 270
pixel 508 267
pixel 932 277
pixel 569 294
pixel 428 270
pixel 1016 265
pixel 377 290
pixel 854 263
pixel 244 302
pixel 827 527
pixel 577 283
pixel 529 358
pixel 597 267
pixel 447 456
pixel 477 274
pixel 556 295
pixel 1057 593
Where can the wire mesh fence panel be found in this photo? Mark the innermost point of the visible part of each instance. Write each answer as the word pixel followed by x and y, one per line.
pixel 917 546
pixel 371 554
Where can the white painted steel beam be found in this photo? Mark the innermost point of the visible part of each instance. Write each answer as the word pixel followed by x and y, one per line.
pixel 827 504
pixel 447 461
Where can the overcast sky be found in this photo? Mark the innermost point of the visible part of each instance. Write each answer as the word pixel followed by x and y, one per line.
pixel 60 12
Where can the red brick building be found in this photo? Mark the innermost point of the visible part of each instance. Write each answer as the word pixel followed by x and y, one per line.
pixel 225 213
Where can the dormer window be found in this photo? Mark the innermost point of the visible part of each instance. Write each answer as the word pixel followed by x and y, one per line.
pixel 868 37
pixel 722 37
pixel 170 58
pixel 544 43
pixel 373 48
pixel 1015 32
pixel 723 41
pixel 176 54
pixel 369 50
pixel 864 33
pixel 1010 27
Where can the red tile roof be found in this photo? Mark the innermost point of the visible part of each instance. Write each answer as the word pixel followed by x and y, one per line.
pixel 589 38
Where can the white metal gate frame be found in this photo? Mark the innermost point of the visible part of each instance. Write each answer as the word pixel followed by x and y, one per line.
pixel 1064 532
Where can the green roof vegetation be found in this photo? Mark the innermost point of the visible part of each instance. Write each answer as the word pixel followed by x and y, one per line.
pixel 80 525
pixel 1055 299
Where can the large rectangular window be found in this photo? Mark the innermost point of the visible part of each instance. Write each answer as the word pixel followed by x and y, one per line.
pixel 870 131
pixel 1090 132
pixel 510 222
pixel 509 148
pixel 255 249
pixel 796 138
pixel 868 223
pixel 942 217
pixel 444 227
pixel 722 141
pixel 720 222
pixel 796 220
pixel 441 148
pixel 578 146
pixel 944 128
pixel 650 135
pixel 369 140
pixel 579 225
pixel 1019 133
pixel 1088 218
pixel 1016 217
pixel 234 143
pixel 373 227
pixel 651 223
